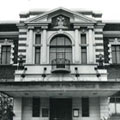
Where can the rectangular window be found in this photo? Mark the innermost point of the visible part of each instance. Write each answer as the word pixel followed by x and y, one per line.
pixel 83 55
pixel 36 107
pixel 115 54
pixel 38 39
pixel 37 48
pixel 5 54
pixel 83 38
pixel 85 107
pixel 115 105
pixel 37 55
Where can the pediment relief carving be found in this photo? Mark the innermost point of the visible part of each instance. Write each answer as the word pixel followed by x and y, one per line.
pixel 60 22
pixel 60 18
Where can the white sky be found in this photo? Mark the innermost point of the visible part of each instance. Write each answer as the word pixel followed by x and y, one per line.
pixel 10 9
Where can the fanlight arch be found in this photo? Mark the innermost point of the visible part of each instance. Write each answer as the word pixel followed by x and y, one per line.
pixel 60 51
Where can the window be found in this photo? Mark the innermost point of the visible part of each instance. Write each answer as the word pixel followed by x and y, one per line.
pixel 5 54
pixel 60 49
pixel 83 49
pixel 85 107
pixel 38 39
pixel 115 54
pixel 37 48
pixel 83 38
pixel 36 107
pixel 115 105
pixel 83 55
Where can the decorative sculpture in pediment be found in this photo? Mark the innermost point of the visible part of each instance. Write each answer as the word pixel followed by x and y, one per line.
pixel 60 22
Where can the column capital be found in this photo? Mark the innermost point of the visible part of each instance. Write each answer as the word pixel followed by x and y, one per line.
pixel 76 27
pixel 90 27
pixel 44 27
pixel 30 27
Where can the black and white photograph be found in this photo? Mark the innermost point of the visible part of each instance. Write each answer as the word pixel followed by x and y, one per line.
pixel 59 60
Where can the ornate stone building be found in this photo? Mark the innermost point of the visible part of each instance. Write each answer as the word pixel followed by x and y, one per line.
pixel 61 65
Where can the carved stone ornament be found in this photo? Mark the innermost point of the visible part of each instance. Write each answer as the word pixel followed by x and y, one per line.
pixel 60 21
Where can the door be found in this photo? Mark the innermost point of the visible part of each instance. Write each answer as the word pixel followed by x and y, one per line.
pixel 60 109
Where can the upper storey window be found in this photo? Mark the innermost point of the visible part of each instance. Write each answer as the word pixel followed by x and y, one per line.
pixel 116 54
pixel 5 54
pixel 60 50
pixel 83 49
pixel 37 48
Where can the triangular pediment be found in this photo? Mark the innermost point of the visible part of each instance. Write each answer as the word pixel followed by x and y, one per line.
pixel 73 16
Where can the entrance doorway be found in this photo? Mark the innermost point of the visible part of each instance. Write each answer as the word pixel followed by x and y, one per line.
pixel 60 109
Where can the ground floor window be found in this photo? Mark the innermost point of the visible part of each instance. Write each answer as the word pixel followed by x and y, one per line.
pixel 85 107
pixel 115 105
pixel 36 107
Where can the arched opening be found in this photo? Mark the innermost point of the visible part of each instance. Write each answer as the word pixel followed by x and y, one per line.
pixel 60 51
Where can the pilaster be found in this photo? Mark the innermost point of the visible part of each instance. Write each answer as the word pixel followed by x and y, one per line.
pixel 17 109
pixel 91 48
pixel 104 108
pixel 77 47
pixel 29 57
pixel 44 45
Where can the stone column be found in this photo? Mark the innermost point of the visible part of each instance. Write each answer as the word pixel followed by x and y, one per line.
pixel 44 46
pixel 104 108
pixel 17 109
pixel 29 51
pixel 91 45
pixel 77 46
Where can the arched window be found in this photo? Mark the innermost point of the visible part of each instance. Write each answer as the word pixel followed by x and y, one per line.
pixel 61 49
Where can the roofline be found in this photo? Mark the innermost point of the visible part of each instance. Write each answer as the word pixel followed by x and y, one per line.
pixel 111 21
pixel 9 22
pixel 60 8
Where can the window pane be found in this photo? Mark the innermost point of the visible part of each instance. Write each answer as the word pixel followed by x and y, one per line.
pixel 60 41
pixel 112 108
pixel 83 55
pixel 38 39
pixel 68 56
pixel 62 46
pixel 118 108
pixel 60 49
pixel 5 54
pixel 53 42
pixel 37 55
pixel 116 54
pixel 83 38
pixel 53 49
pixel 85 107
pixel 36 107
pixel 52 56
pixel 60 55
pixel 67 41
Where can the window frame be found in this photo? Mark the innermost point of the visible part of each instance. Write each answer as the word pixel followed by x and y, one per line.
pixel 85 108
pixel 83 45
pixel 6 53
pixel 116 52
pixel 114 100
pixel 62 47
pixel 35 105
pixel 37 45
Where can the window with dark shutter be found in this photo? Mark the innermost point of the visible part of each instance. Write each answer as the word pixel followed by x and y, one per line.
pixel 85 107
pixel 36 107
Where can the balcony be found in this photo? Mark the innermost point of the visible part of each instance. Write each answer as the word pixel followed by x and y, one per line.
pixel 60 65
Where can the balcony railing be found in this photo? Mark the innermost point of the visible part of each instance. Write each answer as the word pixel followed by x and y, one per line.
pixel 60 65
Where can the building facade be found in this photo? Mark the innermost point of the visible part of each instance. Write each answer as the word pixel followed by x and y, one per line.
pixel 61 65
